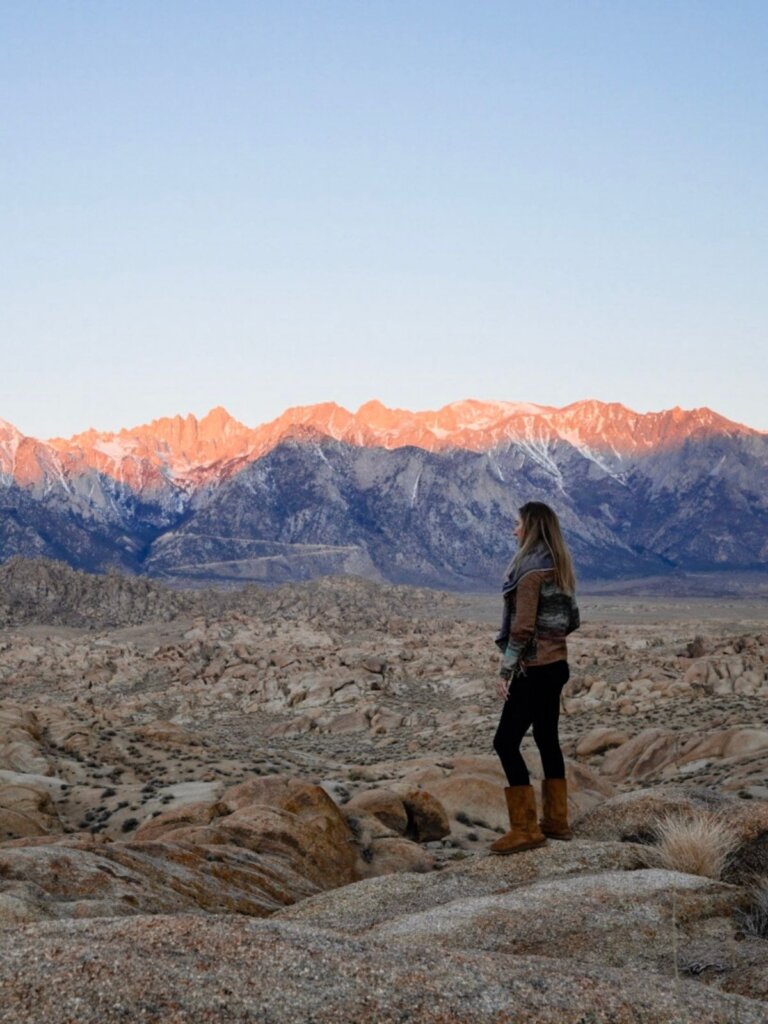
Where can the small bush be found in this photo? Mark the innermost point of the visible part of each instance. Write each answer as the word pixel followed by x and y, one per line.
pixel 700 844
pixel 754 920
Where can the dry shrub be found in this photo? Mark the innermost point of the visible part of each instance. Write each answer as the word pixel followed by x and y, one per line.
pixel 754 920
pixel 696 844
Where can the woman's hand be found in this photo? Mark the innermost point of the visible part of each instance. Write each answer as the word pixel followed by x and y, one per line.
pixel 502 688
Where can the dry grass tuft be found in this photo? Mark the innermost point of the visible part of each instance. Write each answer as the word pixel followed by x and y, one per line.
pixel 754 920
pixel 698 844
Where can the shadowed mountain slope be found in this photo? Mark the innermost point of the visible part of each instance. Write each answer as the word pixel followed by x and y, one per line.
pixel 410 497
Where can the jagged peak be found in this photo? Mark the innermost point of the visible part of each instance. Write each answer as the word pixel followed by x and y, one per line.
pixel 8 430
pixel 219 420
pixel 317 408
pixel 675 414
pixel 376 414
pixel 596 405
pixel 192 451
pixel 373 406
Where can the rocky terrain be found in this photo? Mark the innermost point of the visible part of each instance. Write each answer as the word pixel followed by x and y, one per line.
pixel 276 805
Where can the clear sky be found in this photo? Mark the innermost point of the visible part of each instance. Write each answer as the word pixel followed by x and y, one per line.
pixel 270 203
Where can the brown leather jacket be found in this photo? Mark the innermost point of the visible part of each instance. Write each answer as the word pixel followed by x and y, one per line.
pixel 537 634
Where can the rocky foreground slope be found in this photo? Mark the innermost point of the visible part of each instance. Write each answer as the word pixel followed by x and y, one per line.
pixel 276 805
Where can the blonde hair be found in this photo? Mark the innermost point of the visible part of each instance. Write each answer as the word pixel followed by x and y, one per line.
pixel 541 526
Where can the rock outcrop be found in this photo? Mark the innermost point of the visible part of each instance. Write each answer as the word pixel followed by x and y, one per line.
pixel 279 805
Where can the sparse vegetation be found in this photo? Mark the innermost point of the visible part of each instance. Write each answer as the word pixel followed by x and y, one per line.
pixel 754 920
pixel 698 844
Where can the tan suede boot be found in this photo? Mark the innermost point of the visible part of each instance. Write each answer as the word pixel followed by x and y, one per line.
pixel 554 801
pixel 524 832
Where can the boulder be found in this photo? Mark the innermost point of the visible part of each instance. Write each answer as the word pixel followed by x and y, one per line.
pixel 427 818
pixel 167 734
pixel 348 721
pixel 645 752
pixel 20 741
pixel 395 854
pixel 383 804
pixel 200 813
pixel 473 799
pixel 600 739
pixel 26 809
pixel 272 790
pixel 654 750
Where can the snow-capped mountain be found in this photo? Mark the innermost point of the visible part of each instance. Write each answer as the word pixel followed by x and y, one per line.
pixel 418 496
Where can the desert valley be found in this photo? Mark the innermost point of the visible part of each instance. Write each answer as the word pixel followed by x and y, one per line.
pixel 275 804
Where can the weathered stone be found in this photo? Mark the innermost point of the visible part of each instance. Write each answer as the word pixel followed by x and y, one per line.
pixel 26 809
pixel 167 734
pixel 620 761
pixel 697 648
pixel 383 804
pixel 427 818
pixel 612 918
pixel 474 799
pixel 395 854
pixel 90 968
pixel 599 739
pixel 188 814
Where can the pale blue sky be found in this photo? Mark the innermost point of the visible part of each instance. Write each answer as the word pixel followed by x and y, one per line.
pixel 263 204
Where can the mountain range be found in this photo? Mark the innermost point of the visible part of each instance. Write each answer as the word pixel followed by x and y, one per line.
pixel 416 497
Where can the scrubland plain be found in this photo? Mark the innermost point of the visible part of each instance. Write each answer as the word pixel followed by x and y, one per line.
pixel 276 805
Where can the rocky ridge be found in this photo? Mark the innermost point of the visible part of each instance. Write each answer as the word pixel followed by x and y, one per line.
pixel 418 498
pixel 192 450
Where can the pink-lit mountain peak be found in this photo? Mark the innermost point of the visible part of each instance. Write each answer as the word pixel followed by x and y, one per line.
pixel 470 423
pixel 478 425
pixel 9 433
pixel 164 441
pixel 610 425
pixel 175 430
pixel 192 451
pixel 608 422
pixel 214 435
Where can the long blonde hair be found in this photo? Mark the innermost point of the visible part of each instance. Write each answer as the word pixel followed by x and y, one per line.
pixel 541 526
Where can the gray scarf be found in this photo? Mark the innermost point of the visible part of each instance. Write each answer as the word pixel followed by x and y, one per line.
pixel 538 558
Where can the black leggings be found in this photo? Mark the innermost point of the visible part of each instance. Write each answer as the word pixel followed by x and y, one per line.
pixel 533 700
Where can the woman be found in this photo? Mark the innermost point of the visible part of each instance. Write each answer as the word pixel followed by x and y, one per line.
pixel 539 612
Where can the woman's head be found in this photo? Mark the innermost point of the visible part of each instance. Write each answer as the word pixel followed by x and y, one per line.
pixel 538 524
